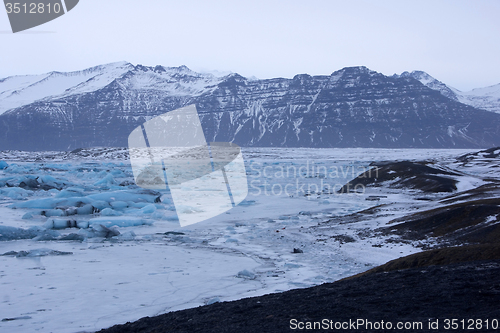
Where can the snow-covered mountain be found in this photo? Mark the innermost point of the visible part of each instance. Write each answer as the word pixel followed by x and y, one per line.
pixel 487 98
pixel 17 91
pixel 352 107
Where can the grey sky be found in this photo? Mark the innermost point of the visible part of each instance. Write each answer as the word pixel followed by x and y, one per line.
pixel 457 42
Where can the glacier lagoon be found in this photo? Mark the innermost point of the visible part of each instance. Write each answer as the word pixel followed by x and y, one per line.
pixel 83 248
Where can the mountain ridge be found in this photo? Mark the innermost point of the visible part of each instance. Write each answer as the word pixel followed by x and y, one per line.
pixel 352 107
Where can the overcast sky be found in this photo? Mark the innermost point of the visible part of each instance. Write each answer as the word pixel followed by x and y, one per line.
pixel 457 42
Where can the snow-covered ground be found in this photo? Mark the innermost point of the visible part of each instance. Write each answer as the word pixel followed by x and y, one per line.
pixel 131 258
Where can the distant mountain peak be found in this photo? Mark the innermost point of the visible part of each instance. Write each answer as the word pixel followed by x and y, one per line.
pixel 355 70
pixel 421 76
pixel 108 66
pixel 302 77
pixel 234 78
pixel 487 98
pixel 430 82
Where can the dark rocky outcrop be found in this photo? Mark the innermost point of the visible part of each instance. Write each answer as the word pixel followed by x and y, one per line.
pixel 405 174
pixel 471 222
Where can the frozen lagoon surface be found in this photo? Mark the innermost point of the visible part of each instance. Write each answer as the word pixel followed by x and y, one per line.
pixel 84 248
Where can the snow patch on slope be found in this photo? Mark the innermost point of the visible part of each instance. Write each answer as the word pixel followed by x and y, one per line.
pixel 487 98
pixel 16 91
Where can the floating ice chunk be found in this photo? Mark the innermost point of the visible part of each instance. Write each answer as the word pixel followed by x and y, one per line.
pixel 149 209
pixel 100 204
pixel 100 230
pixel 118 204
pixel 36 253
pixel 15 193
pixel 106 181
pixel 97 231
pixel 69 193
pixel 51 203
pixel 231 240
pixel 59 167
pixel 7 181
pixel 137 204
pixel 292 266
pixel 120 221
pixel 49 181
pixel 26 182
pixel 127 236
pixel 86 233
pixel 72 237
pixel 27 216
pixel 75 189
pixel 213 300
pixel 70 211
pixel 127 195
pixel 82 224
pixel 159 215
pixel 170 218
pixel 52 212
pixel 110 212
pixel 60 224
pixel 245 274
pixel 11 233
pixel 55 223
pixel 118 173
pixel 75 202
pixel 3 165
pixel 47 235
pixel 35 233
pixel 85 210
pixel 14 168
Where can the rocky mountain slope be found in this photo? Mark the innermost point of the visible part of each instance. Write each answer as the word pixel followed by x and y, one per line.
pixel 487 98
pixel 352 107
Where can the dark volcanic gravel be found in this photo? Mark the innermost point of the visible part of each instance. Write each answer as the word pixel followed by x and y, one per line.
pixel 459 291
